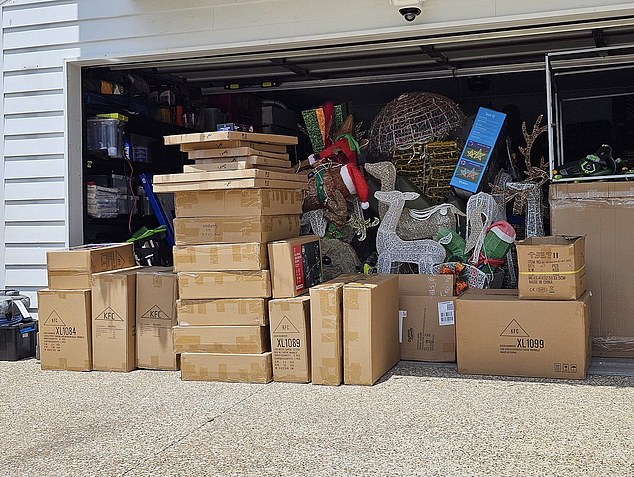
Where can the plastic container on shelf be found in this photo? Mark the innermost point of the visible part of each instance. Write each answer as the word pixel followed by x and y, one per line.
pixel 105 135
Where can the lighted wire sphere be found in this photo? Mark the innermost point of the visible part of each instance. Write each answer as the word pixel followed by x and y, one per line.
pixel 414 118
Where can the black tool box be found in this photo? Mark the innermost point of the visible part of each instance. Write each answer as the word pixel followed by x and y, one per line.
pixel 18 340
pixel 18 331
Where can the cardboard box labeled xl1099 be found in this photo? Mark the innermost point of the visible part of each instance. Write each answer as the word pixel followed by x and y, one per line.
pixel 499 334
pixel 551 268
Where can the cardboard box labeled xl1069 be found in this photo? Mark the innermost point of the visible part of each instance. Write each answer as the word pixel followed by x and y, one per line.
pixel 64 330
pixel 427 329
pixel 295 265
pixel 551 268
pixel 113 320
pixel 290 339
pixel 71 269
pixel 499 334
pixel 156 294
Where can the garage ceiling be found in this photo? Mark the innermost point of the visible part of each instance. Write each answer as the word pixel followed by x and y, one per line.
pixel 383 62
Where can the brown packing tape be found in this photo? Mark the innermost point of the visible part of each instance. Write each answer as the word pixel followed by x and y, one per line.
pixel 251 198
pixel 187 369
pixel 284 305
pixel 329 337
pixel 352 373
pixel 183 255
pixel 185 199
pixel 223 372
pixel 352 299
pixel 330 370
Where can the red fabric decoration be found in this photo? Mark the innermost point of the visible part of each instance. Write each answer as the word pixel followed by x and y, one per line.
pixel 356 184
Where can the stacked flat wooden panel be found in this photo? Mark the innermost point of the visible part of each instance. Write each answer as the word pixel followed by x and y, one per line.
pixel 240 193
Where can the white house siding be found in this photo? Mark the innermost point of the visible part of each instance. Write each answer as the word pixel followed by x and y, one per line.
pixel 39 35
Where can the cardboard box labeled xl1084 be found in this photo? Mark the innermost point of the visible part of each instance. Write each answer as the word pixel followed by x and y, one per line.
pixel 65 329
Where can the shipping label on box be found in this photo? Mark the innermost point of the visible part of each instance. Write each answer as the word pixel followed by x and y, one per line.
pixel 220 257
pixel 551 268
pixel 210 285
pixel 65 329
pixel 498 334
pixel 230 311
pixel 206 230
pixel 221 339
pixel 370 328
pixel 156 292
pixel 427 329
pixel 290 339
pixel 295 265
pixel 113 320
pixel 236 368
pixel 238 203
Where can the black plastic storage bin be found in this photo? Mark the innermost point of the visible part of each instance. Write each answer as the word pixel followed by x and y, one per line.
pixel 18 341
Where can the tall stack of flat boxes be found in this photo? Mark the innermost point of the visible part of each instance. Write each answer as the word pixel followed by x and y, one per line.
pixel 67 308
pixel 239 194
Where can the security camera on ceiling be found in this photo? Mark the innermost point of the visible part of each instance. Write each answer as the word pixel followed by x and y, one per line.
pixel 409 9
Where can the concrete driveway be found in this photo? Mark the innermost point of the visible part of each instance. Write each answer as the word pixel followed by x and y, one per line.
pixel 419 420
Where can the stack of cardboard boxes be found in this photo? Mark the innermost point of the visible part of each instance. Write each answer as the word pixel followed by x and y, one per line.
pixel 240 194
pixel 295 267
pixel 101 312
pixel 544 331
pixel 71 315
